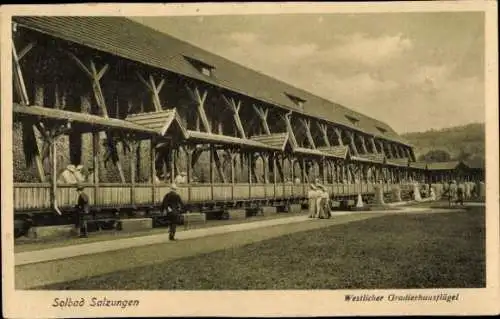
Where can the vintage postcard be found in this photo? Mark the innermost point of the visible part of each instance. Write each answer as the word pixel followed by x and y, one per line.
pixel 250 159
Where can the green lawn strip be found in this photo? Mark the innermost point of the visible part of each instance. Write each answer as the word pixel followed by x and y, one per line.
pixel 25 245
pixel 391 252
pixel 82 267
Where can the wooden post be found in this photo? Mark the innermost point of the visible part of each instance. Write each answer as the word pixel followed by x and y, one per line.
pixel 95 163
pixel 324 169
pixel 218 165
pixel 274 168
pixel 172 163
pixel 133 158
pixel 211 164
pixel 53 152
pixel 189 170
pixel 152 163
pixel 304 172
pixel 250 161
pixel 264 157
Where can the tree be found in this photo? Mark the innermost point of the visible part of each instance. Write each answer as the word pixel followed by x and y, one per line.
pixel 435 156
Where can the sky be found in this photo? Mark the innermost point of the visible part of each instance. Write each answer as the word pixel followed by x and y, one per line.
pixel 414 71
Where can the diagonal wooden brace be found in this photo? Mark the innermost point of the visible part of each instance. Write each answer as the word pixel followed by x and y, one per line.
pixel 262 113
pixel 288 121
pixel 200 102
pixel 306 123
pixel 352 143
pixel 324 131
pixel 338 132
pixel 218 165
pixel 235 109
pixel 154 89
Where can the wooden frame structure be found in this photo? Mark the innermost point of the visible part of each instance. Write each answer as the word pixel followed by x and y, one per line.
pixel 165 116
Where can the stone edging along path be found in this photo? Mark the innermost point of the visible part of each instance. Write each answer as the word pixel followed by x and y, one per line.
pixel 50 254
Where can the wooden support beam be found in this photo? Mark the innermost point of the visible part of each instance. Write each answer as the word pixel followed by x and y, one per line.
pixel 171 155
pixel 232 155
pixel 374 147
pixel 262 113
pixel 189 170
pixel 306 123
pixel 95 157
pixel 288 121
pixel 95 76
pixel 274 155
pixel 352 143
pixel 200 103
pixel 279 165
pixel 250 161
pixel 20 89
pixel 235 107
pixel 338 133
pixel 363 145
pixel 53 188
pixel 18 77
pixel 381 145
pixel 265 166
pixel 218 165
pixel 154 89
pixel 324 132
pixel 152 164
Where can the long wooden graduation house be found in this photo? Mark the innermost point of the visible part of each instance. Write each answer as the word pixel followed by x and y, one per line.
pixel 135 108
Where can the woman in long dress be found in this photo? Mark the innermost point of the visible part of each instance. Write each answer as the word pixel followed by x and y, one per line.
pixel 312 196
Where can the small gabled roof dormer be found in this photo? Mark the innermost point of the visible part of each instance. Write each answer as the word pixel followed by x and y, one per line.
pixel 352 119
pixel 202 67
pixel 296 100
pixel 381 129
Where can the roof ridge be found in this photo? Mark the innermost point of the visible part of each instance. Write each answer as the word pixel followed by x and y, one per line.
pixel 323 99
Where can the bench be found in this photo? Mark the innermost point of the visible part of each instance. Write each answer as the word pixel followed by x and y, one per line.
pixel 193 218
pixel 237 213
pixel 58 231
pixel 294 208
pixel 269 210
pixel 134 224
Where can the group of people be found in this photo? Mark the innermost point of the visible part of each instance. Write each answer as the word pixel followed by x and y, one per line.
pixel 458 192
pixel 319 201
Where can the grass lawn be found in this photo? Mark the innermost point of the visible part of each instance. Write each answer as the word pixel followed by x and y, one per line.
pixel 445 250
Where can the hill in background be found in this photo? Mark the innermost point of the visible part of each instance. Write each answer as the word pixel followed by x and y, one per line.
pixel 465 142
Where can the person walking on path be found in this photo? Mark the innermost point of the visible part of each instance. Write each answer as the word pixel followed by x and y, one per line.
pixel 171 206
pixel 82 212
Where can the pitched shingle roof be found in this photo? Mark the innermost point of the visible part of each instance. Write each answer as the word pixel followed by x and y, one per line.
pixel 443 165
pixel 134 41
pixel 277 140
pixel 160 121
pixel 339 151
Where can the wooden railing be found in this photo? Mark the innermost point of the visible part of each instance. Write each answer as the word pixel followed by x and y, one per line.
pixel 37 196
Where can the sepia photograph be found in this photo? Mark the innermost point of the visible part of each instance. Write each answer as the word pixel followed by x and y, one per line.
pixel 339 151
